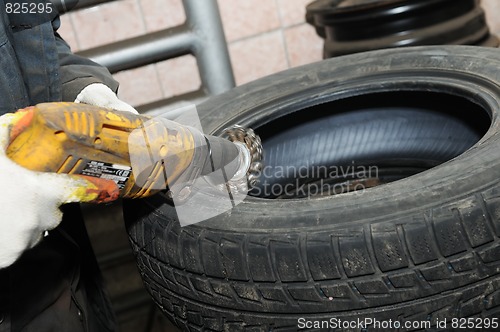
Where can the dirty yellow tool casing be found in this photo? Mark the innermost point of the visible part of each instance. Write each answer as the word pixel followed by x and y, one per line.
pixel 91 141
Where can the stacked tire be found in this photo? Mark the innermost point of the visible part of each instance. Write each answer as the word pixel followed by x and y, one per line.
pixel 351 26
pixel 418 247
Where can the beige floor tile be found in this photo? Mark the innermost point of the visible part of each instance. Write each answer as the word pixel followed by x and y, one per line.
pixel 68 33
pixel 492 9
pixel 139 86
pixel 110 22
pixel 292 11
pixel 162 14
pixel 303 45
pixel 178 76
pixel 244 18
pixel 258 56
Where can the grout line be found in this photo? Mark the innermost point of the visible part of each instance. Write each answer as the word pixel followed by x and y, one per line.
pixel 75 34
pixel 294 25
pixel 155 67
pixel 285 47
pixel 160 81
pixel 282 33
pixel 242 39
pixel 280 15
pixel 265 33
pixel 143 17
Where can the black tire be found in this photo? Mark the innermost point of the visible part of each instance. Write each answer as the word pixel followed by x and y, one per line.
pixel 398 141
pixel 422 248
pixel 356 26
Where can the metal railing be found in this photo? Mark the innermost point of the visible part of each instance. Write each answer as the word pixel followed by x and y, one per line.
pixel 201 35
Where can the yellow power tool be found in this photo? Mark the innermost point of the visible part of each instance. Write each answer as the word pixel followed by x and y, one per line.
pixel 140 154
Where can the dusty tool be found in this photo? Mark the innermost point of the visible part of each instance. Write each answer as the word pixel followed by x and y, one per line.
pixel 142 155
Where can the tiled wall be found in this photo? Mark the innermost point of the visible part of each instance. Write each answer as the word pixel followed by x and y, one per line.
pixel 264 36
pixel 492 9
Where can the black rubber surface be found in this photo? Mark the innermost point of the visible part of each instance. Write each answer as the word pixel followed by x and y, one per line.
pixel 424 248
pixel 355 26
pixel 387 136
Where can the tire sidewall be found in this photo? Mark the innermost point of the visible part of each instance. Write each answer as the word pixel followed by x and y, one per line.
pixel 470 71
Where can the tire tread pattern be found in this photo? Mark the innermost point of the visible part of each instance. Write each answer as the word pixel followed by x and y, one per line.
pixel 451 249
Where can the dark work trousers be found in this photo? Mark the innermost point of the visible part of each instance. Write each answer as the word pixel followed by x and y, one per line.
pixel 57 285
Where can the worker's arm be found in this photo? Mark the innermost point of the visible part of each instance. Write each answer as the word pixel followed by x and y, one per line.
pixel 84 81
pixel 30 200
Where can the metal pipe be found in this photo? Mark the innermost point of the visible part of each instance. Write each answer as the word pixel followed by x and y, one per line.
pixel 201 35
pixel 143 50
pixel 169 108
pixel 64 6
pixel 210 46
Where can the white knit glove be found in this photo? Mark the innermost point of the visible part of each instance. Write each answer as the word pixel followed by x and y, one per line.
pixel 30 200
pixel 98 94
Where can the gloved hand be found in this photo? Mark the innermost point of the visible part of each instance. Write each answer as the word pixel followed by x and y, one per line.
pixel 30 200
pixel 98 94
